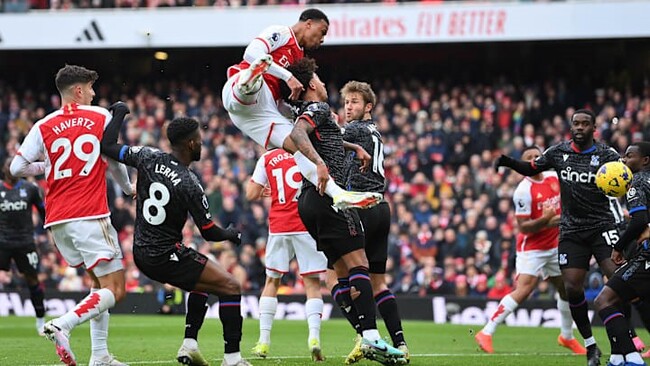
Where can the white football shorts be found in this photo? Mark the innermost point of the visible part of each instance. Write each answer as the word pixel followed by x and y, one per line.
pixel 91 243
pixel 260 120
pixel 280 249
pixel 542 263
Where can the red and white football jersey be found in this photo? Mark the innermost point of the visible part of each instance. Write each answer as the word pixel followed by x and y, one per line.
pixel 530 198
pixel 75 171
pixel 277 169
pixel 282 45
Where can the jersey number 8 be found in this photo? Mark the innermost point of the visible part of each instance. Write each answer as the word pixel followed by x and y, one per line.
pixel 158 198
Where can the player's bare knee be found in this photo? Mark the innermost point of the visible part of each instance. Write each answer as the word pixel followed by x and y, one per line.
pixel 232 287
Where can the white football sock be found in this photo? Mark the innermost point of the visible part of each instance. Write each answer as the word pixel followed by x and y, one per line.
pixel 616 360
pixel 88 308
pixel 190 343
pixel 308 170
pixel 268 306
pixel 506 306
pixel 634 357
pixel 99 332
pixel 371 335
pixel 232 358
pixel 314 310
pixel 566 327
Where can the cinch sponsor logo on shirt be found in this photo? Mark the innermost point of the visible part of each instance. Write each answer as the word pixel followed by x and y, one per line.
pixel 571 175
pixel 13 206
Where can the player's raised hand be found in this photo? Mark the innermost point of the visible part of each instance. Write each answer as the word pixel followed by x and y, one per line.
pixel 234 235
pixel 617 257
pixel 502 160
pixel 365 159
pixel 296 88
pixel 119 106
pixel 323 175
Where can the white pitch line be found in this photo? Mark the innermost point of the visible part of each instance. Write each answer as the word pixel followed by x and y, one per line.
pixel 412 355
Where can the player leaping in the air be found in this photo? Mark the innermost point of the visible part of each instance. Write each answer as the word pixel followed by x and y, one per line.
pixel 252 93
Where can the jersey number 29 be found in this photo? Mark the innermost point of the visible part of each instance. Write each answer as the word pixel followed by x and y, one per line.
pixel 78 149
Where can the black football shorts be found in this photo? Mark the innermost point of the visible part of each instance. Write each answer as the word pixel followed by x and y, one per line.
pixel 376 226
pixel 575 249
pixel 26 258
pixel 180 266
pixel 337 233
pixel 632 280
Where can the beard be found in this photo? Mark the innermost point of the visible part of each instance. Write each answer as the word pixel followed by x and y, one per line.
pixel 196 154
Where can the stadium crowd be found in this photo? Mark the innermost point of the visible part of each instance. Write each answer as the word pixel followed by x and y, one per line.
pixel 453 229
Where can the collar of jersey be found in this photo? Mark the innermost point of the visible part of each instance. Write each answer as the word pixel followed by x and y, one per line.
pixel 10 187
pixel 575 148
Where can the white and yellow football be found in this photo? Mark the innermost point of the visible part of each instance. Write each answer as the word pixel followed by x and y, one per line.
pixel 614 178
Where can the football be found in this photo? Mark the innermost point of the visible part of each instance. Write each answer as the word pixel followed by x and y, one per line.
pixel 614 178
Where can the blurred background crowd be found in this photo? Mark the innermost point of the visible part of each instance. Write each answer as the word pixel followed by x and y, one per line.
pixel 453 229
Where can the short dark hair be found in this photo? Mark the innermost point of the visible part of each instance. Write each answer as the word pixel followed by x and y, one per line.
pixel 314 14
pixel 303 70
pixel 69 75
pixel 644 147
pixel 588 112
pixel 530 147
pixel 180 129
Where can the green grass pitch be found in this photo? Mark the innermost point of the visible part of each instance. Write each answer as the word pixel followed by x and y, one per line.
pixel 154 340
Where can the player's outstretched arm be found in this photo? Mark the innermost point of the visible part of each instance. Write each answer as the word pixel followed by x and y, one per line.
pixel 636 226
pixel 109 145
pixel 300 137
pixel 121 175
pixel 212 232
pixel 254 191
pixel 527 168
pixel 21 167
pixel 529 225
pixel 360 154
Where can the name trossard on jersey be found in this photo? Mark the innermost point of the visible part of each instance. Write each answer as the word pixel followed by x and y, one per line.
pixel 326 138
pixel 638 196
pixel 365 134
pixel 584 206
pixel 16 225
pixel 166 191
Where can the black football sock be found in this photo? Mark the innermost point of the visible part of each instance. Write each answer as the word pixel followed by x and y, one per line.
pixel 196 309
pixel 579 313
pixel 626 309
pixel 364 303
pixel 230 316
pixel 388 309
pixel 36 295
pixel 617 330
pixel 341 294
